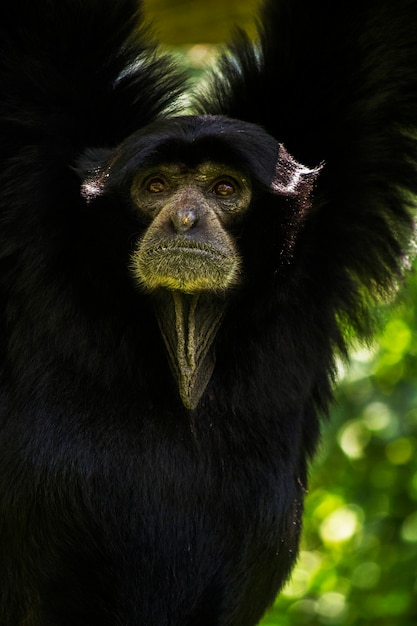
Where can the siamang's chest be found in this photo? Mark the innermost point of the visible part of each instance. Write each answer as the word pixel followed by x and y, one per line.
pixel 155 511
pixel 160 476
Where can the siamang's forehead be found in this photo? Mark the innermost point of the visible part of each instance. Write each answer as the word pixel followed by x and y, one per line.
pixel 193 139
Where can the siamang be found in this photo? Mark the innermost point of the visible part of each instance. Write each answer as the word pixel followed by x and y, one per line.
pixel 179 271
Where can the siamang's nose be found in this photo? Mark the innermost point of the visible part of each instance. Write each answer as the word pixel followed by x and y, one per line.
pixel 184 219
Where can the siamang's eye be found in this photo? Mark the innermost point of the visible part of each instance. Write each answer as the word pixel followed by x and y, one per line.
pixel 156 185
pixel 224 188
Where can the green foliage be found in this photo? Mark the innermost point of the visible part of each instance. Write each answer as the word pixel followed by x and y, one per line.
pixel 179 22
pixel 358 561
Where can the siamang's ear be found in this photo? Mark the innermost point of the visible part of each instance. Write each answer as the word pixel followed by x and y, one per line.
pixel 295 182
pixel 292 178
pixel 93 168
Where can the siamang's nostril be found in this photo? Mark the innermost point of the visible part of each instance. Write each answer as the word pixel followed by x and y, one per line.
pixel 184 219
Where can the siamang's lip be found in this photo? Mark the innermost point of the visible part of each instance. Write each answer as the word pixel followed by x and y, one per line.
pixel 184 246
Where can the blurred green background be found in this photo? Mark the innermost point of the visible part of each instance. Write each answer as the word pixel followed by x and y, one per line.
pixel 358 561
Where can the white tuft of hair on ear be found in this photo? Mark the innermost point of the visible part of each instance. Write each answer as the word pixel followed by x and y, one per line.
pixel 93 186
pixel 291 177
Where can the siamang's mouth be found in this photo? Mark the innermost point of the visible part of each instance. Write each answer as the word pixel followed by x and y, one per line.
pixel 185 265
pixel 184 246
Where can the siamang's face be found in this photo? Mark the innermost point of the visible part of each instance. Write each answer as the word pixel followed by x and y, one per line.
pixel 188 246
pixel 191 181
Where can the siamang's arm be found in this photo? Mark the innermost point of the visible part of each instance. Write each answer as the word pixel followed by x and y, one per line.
pixel 84 73
pixel 337 83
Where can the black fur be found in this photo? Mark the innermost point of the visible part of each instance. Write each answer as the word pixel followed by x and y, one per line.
pixel 118 507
